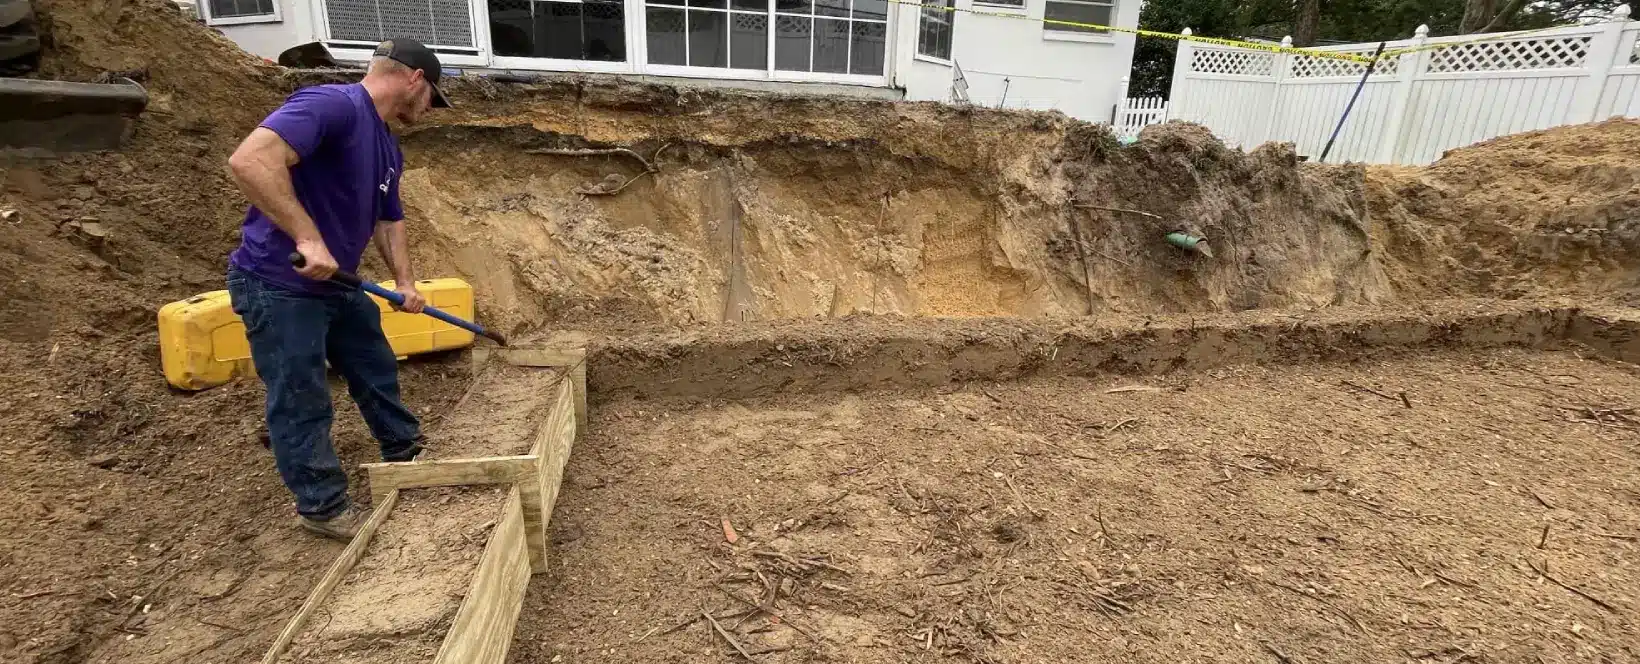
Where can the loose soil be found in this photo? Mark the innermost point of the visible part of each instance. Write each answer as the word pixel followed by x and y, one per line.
pixel 1224 515
pixel 156 530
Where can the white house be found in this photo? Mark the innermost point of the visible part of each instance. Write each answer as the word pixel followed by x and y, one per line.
pixel 1004 56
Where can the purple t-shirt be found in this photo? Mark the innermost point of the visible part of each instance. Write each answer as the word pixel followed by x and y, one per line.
pixel 347 179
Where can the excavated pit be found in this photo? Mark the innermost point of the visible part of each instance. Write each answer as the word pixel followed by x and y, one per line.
pixel 946 350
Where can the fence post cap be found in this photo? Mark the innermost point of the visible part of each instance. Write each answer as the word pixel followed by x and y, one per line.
pixel 1287 42
pixel 1422 32
pixel 1186 32
pixel 1621 12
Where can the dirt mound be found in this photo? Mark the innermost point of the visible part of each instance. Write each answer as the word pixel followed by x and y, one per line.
pixel 134 503
pixel 1553 211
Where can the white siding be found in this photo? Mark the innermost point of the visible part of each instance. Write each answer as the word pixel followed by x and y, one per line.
pixel 1043 70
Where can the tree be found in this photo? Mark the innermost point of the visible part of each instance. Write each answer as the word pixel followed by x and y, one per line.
pixel 1153 56
pixel 1307 27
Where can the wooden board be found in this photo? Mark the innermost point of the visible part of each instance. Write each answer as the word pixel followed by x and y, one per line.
pixel 483 627
pixel 386 477
pixel 332 578
pixel 553 446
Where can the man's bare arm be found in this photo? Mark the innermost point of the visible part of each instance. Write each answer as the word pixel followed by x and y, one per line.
pixel 393 242
pixel 261 167
pixel 394 245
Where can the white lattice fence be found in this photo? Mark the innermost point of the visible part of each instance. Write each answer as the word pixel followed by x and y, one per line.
pixel 1233 62
pixel 1540 53
pixel 1439 94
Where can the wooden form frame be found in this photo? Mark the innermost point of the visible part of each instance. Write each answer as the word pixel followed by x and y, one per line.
pixel 332 578
pixel 483 626
pixel 523 471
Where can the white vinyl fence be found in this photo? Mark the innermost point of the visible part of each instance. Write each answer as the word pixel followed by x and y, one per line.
pixel 1419 104
pixel 1136 113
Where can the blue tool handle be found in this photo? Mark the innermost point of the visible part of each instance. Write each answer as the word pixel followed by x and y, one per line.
pixel 353 281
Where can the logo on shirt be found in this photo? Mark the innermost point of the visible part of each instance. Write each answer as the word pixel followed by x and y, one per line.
pixel 388 181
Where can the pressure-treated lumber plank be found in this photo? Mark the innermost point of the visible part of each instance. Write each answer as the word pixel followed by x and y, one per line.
pixel 541 357
pixel 552 447
pixel 535 521
pixel 540 491
pixel 578 377
pixel 332 578
pixel 483 627
pixel 385 477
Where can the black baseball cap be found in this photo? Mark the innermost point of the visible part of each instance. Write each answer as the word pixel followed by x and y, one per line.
pixel 413 54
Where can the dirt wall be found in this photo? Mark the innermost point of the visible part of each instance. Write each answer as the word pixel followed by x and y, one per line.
pixel 899 353
pixel 771 207
pixel 1034 215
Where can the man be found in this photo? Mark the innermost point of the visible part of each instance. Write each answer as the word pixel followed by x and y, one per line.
pixel 322 175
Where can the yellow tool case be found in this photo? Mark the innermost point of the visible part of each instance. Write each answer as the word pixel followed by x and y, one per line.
pixel 202 341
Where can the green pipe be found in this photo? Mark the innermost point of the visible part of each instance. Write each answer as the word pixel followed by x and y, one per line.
pixel 1189 242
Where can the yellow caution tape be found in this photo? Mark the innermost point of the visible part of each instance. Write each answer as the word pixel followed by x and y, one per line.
pixel 1330 55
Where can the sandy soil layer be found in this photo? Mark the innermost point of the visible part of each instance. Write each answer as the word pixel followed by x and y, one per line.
pixel 1431 507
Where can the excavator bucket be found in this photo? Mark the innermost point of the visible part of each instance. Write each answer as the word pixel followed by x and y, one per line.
pixel 58 116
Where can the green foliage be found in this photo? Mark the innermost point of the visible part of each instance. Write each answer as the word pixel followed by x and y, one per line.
pixel 1342 21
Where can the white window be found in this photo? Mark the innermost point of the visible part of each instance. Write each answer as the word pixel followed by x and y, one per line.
pixel 935 28
pixel 1017 4
pixel 559 29
pixel 1096 12
pixel 722 34
pixel 435 23
pixel 229 12
pixel 831 36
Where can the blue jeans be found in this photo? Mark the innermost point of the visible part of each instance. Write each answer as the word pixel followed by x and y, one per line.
pixel 291 336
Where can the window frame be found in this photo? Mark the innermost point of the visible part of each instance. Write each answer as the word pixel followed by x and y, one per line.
pixel 728 11
pixel 950 25
pixel 205 12
pixel 451 57
pixel 1022 7
pixel 887 21
pixel 558 64
pixel 1065 33
pixel 637 51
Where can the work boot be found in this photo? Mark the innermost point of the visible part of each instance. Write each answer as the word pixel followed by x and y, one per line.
pixel 343 526
pixel 409 454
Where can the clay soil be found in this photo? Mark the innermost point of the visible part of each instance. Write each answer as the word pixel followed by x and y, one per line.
pixel 1297 513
